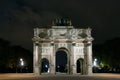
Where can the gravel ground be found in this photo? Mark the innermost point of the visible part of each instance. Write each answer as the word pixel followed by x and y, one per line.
pixel 30 76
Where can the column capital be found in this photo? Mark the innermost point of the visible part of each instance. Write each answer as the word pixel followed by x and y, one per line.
pixel 36 43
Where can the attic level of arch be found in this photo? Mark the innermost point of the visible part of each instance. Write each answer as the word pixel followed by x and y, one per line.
pixel 71 34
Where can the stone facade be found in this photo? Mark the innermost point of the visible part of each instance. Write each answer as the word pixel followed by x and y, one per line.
pixel 74 42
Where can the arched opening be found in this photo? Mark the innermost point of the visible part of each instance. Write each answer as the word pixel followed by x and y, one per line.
pixel 61 61
pixel 79 66
pixel 44 65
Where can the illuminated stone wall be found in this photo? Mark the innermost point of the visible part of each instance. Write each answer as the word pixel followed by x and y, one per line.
pixel 77 43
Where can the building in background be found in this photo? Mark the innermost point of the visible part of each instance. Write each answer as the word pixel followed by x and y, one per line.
pixel 62 49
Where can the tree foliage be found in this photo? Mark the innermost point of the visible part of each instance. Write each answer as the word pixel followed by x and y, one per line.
pixel 108 52
pixel 10 57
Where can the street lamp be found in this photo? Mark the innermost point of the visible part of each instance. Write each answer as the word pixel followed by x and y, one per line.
pixel 95 62
pixel 21 64
pixel 95 65
pixel 46 66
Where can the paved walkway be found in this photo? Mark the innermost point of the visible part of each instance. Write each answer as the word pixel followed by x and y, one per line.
pixel 30 76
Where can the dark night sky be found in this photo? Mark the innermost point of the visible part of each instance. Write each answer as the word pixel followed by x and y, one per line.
pixel 19 17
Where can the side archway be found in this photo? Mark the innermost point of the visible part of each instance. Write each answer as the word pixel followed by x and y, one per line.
pixel 44 65
pixel 79 65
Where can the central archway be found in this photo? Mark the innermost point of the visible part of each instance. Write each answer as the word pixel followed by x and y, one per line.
pixel 62 61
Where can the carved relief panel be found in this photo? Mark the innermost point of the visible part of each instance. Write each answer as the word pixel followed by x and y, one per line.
pixel 60 33
pixel 44 33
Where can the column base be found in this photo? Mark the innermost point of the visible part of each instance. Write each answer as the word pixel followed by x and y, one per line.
pixel 36 70
pixel 74 69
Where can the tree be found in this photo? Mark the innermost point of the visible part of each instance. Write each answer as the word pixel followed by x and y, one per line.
pixel 108 52
pixel 10 57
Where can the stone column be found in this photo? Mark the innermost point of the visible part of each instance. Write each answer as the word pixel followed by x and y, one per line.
pixel 72 58
pixel 89 57
pixel 52 65
pixel 68 64
pixel 74 69
pixel 36 68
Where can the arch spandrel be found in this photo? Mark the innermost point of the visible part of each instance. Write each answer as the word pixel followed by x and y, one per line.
pixel 63 49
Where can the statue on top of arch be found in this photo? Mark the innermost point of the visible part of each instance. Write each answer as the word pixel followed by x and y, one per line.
pixel 61 22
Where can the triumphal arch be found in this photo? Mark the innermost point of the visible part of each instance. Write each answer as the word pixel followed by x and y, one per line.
pixel 62 49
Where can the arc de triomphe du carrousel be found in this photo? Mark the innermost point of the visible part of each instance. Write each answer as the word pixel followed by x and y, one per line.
pixel 62 49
